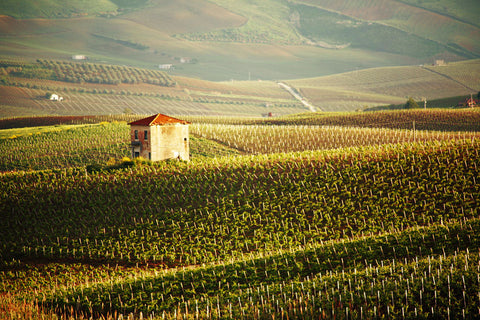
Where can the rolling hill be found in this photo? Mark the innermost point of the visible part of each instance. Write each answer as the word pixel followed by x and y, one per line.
pixel 437 24
pixel 282 213
pixel 95 89
pixel 390 85
pixel 223 40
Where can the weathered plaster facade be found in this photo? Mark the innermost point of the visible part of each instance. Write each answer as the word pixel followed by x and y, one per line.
pixel 160 137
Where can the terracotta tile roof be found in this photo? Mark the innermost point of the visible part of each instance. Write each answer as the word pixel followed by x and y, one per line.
pixel 157 120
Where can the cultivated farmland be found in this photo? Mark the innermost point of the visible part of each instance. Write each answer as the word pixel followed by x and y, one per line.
pixel 98 89
pixel 384 230
pixel 392 85
pixel 281 212
pixel 143 91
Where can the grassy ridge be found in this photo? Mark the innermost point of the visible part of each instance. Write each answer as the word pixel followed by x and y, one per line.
pixel 267 23
pixel 186 16
pixel 290 23
pixel 54 8
pixel 464 12
pixel 326 27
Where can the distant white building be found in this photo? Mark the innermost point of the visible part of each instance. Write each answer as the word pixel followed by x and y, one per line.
pixel 55 97
pixel 165 66
pixel 79 57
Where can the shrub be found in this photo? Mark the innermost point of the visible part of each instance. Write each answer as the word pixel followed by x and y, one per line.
pixel 411 104
pixel 91 168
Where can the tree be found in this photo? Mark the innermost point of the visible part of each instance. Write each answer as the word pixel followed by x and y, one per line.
pixel 411 104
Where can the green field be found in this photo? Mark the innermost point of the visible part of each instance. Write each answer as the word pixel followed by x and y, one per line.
pixel 54 8
pixel 384 222
pixel 338 31
pixel 77 141
pixel 29 131
pixel 96 89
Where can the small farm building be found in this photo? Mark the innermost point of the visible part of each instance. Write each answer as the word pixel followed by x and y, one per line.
pixel 56 97
pixel 160 137
pixel 79 57
pixel 165 66
pixel 470 102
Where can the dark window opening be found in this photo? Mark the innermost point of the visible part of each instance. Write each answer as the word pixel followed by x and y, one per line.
pixel 137 154
pixel 149 156
pixel 145 134
pixel 136 134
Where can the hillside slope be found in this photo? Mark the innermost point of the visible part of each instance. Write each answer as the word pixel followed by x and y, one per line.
pixel 92 89
pixel 435 25
pixel 390 85
pixel 54 9
pixel 223 40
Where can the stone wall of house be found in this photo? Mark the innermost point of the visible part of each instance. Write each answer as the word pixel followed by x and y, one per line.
pixel 163 142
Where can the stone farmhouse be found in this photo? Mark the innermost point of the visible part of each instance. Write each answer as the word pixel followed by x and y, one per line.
pixel 160 137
